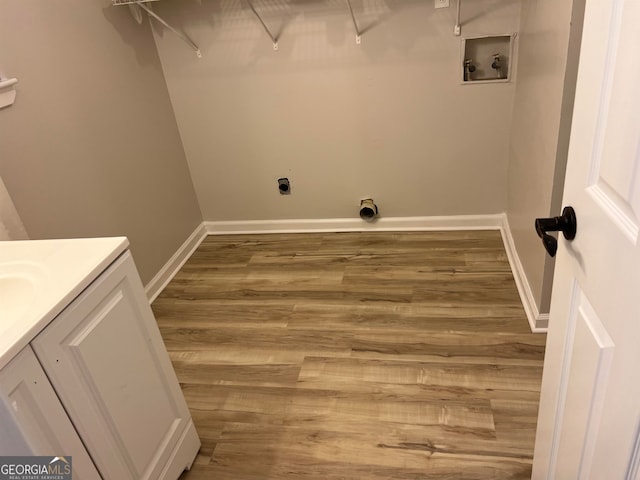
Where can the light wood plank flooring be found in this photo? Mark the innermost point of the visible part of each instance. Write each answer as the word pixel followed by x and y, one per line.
pixel 354 355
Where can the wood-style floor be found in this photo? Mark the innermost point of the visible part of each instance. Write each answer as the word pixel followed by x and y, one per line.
pixel 354 355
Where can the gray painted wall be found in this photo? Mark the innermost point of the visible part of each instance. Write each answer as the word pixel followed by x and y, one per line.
pixel 547 68
pixel 387 119
pixel 91 147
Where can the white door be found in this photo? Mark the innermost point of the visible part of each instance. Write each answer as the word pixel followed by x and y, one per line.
pixel 589 418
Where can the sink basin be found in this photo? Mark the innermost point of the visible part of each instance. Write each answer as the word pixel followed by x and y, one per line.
pixel 18 289
pixel 39 278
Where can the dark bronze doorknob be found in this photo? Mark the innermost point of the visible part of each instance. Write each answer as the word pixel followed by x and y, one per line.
pixel 566 223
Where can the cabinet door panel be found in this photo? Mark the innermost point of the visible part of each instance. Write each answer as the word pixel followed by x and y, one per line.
pixel 106 359
pixel 32 418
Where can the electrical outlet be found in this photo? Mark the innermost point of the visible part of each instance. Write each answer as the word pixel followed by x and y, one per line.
pixel 284 186
pixel 441 3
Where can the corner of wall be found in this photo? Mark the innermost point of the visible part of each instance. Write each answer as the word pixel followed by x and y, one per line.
pixel 175 263
pixel 537 321
pixel 11 226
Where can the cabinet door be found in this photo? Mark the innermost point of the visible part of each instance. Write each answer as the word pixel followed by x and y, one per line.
pixel 32 420
pixel 106 360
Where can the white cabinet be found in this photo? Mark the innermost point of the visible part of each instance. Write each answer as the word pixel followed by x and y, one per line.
pixel 33 421
pixel 105 359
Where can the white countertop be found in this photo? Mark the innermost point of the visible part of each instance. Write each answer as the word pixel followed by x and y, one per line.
pixel 39 278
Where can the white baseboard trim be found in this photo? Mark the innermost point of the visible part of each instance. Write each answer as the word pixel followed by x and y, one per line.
pixel 386 224
pixel 537 321
pixel 175 263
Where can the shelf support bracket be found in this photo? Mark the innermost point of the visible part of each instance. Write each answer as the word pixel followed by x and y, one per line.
pixel 355 24
pixel 182 36
pixel 274 40
pixel 7 91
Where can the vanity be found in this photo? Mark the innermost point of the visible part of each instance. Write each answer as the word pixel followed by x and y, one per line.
pixel 83 368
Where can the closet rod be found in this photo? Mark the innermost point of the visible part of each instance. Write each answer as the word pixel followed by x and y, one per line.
pixel 355 24
pixel 274 40
pixel 184 38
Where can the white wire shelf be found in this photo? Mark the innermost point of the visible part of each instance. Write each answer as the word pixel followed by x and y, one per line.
pixel 142 5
